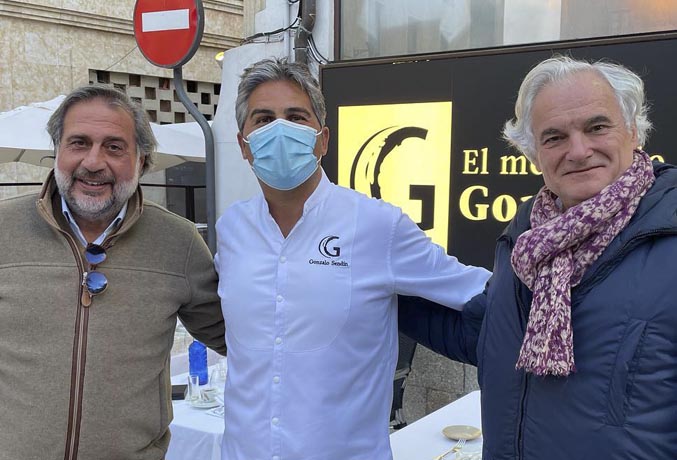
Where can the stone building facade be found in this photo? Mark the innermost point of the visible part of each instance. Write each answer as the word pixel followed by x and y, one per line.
pixel 49 47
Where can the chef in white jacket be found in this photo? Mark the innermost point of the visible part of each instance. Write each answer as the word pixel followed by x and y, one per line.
pixel 309 276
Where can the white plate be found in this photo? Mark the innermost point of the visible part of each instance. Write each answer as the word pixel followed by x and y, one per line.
pixel 457 432
pixel 205 404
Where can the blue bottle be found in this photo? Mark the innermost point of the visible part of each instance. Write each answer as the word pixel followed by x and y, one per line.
pixel 197 361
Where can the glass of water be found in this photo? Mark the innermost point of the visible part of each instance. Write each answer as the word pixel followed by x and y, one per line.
pixel 193 388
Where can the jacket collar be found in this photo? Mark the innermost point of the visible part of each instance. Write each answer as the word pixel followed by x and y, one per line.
pixel 321 191
pixel 656 211
pixel 655 215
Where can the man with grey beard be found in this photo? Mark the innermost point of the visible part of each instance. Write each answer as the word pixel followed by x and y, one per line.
pixel 92 279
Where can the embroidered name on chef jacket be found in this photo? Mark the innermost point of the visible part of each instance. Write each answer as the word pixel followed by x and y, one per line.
pixel 330 250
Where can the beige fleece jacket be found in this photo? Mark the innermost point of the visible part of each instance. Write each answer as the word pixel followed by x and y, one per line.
pixel 92 383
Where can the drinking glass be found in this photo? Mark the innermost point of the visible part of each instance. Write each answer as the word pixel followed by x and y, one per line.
pixel 193 388
pixel 222 367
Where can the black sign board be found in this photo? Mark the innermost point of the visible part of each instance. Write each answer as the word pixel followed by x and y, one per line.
pixel 389 127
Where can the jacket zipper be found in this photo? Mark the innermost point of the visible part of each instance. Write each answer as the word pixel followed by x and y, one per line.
pixel 77 367
pixel 79 357
pixel 524 317
pixel 525 378
pixel 520 418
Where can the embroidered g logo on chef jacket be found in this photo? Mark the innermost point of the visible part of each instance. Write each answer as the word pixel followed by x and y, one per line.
pixel 330 251
pixel 334 251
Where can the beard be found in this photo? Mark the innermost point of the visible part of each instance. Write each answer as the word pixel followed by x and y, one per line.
pixel 93 207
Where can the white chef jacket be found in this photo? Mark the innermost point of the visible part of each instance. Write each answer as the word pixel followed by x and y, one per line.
pixel 311 322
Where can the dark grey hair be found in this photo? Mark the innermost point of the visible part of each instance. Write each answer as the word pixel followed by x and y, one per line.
pixel 627 86
pixel 145 139
pixel 276 69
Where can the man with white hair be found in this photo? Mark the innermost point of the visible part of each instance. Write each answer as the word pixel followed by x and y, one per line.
pixel 575 337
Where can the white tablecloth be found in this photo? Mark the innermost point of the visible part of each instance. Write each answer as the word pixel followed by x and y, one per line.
pixel 196 435
pixel 423 439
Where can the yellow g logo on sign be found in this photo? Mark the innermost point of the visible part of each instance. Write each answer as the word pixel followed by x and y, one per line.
pixel 402 154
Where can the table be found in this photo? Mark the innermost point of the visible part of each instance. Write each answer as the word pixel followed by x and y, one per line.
pixel 423 439
pixel 198 435
pixel 195 433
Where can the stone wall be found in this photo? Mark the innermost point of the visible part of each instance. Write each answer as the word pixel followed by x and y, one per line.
pixel 434 382
pixel 47 48
pixel 10 172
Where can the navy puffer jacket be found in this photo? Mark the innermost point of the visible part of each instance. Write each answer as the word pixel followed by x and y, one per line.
pixel 622 401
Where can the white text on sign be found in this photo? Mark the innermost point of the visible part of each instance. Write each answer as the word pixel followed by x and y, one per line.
pixel 164 20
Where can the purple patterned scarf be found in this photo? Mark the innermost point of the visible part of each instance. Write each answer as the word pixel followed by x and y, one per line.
pixel 552 257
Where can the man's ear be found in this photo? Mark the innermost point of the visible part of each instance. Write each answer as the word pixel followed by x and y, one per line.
pixel 635 137
pixel 142 161
pixel 244 148
pixel 323 139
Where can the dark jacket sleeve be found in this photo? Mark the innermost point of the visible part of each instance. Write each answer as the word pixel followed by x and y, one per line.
pixel 449 332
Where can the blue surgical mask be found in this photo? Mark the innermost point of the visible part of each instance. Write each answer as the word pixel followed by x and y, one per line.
pixel 283 153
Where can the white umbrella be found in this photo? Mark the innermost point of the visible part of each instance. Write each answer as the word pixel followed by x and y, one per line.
pixel 24 138
pixel 178 142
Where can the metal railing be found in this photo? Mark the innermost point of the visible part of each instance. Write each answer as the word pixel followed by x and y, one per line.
pixel 189 193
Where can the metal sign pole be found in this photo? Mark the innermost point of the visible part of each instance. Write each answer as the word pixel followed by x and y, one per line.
pixel 209 156
pixel 168 35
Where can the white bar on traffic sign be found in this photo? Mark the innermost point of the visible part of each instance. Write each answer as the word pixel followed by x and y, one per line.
pixel 164 20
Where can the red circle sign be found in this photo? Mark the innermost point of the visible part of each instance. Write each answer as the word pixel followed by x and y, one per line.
pixel 168 32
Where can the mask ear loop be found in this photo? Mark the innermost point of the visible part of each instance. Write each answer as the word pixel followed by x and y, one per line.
pixel 319 160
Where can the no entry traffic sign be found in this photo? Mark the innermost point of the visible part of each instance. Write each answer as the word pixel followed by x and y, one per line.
pixel 168 32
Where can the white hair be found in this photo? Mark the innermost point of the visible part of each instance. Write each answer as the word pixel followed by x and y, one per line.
pixel 627 86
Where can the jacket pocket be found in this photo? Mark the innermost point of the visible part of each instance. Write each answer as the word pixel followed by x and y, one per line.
pixel 625 368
